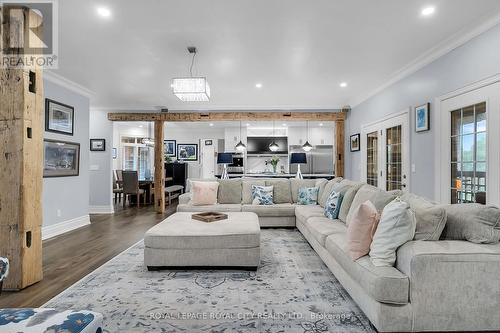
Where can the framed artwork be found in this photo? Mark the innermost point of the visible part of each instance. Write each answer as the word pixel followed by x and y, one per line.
pixel 61 159
pixel 170 147
pixel 355 142
pixel 97 144
pixel 115 155
pixel 59 118
pixel 187 152
pixel 208 142
pixel 422 118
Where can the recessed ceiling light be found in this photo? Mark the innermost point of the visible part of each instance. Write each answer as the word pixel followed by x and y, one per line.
pixel 343 84
pixel 320 124
pixel 211 124
pixel 140 126
pixel 247 124
pixel 427 11
pixel 103 12
pixel 258 85
pixel 284 125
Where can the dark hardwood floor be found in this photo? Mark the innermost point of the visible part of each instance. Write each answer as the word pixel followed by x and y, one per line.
pixel 70 257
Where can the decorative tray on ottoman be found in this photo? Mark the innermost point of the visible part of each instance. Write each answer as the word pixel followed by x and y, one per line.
pixel 209 216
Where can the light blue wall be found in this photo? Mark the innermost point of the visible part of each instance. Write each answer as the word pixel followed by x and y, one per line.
pixel 473 61
pixel 68 194
pixel 100 163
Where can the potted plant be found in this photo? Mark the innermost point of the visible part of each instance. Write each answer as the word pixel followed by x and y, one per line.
pixel 274 162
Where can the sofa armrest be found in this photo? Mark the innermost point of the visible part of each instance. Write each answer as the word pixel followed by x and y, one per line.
pixel 453 284
pixel 184 198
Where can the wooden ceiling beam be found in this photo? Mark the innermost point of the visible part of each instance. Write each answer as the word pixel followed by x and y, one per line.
pixel 227 116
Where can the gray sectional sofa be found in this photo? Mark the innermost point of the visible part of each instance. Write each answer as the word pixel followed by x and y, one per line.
pixel 436 284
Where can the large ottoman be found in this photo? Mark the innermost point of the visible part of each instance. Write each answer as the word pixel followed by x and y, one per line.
pixel 180 241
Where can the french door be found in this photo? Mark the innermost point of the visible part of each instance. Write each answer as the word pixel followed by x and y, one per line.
pixel 469 146
pixel 385 153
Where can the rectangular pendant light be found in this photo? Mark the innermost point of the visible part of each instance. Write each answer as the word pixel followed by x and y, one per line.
pixel 191 89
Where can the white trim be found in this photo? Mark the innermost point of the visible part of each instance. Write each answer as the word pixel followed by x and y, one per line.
pixel 95 271
pixel 443 48
pixel 57 229
pixel 103 209
pixel 66 83
pixel 436 120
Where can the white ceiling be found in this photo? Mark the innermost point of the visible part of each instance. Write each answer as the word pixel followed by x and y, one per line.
pixel 299 50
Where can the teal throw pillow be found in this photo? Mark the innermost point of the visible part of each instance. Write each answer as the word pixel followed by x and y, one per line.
pixel 262 195
pixel 332 205
pixel 308 196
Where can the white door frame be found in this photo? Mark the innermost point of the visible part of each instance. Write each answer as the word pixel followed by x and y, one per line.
pixel 401 118
pixel 469 95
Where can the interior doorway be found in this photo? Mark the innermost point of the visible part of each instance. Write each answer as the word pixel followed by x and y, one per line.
pixel 385 153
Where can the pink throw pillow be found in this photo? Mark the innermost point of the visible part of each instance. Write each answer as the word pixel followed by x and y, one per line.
pixel 361 230
pixel 204 193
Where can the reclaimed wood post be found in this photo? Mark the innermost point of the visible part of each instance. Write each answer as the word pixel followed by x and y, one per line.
pixel 159 168
pixel 339 147
pixel 21 163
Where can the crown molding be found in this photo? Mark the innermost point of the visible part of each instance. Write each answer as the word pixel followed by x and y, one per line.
pixel 66 83
pixel 443 48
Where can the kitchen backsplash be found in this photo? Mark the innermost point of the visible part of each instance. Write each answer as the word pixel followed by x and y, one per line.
pixel 257 164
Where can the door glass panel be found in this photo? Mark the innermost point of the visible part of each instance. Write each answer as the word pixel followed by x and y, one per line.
pixel 394 177
pixel 372 158
pixel 128 158
pixel 144 170
pixel 468 153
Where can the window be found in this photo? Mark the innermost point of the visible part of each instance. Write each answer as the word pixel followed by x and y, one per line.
pixel 468 153
pixel 136 156
pixel 372 158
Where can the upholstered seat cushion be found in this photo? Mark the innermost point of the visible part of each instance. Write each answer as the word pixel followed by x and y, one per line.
pixel 246 192
pixel 322 227
pixel 384 284
pixel 180 231
pixel 282 190
pixel 327 190
pixel 229 191
pixel 379 198
pixel 276 210
pixel 304 212
pixel 209 208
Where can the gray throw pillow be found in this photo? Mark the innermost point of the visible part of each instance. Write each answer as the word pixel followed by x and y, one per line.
pixel 246 193
pixel 229 191
pixel 430 217
pixel 379 198
pixel 475 223
pixel 282 190
pixel 328 190
pixel 349 194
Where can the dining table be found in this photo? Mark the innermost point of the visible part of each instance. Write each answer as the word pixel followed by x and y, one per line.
pixel 148 186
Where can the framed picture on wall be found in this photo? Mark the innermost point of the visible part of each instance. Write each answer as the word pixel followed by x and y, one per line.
pixel 61 159
pixel 208 142
pixel 422 118
pixel 59 117
pixel 355 142
pixel 187 152
pixel 170 147
pixel 97 144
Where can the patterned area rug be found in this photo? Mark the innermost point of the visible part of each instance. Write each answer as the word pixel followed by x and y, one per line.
pixel 292 291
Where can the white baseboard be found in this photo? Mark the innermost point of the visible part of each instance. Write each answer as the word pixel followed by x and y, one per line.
pixel 65 226
pixel 101 209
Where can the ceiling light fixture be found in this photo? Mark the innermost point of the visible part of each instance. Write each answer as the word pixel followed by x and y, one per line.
pixel 428 11
pixel 240 146
pixel 103 12
pixel 273 146
pixel 343 84
pixel 320 124
pixel 191 89
pixel 211 124
pixel 307 146
pixel 258 85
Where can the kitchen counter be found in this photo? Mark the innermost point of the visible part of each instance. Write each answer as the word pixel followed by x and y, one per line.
pixel 279 175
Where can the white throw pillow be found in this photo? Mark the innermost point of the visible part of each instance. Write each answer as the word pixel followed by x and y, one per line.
pixel 396 227
pixel 204 193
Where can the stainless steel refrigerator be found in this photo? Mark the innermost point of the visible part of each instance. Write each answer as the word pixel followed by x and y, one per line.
pixel 319 160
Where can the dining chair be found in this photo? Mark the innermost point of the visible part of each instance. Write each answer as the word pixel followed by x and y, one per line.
pixel 131 187
pixel 117 187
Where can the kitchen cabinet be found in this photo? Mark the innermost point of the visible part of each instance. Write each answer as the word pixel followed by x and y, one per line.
pixel 317 136
pixel 232 137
